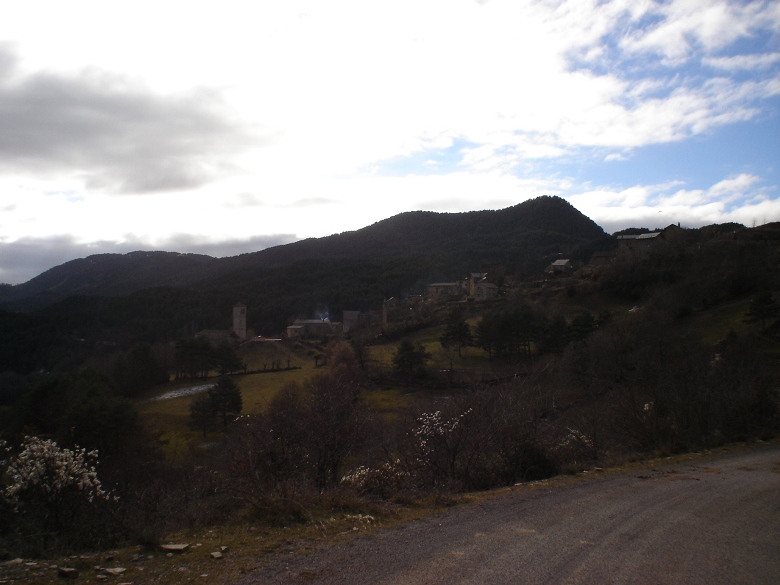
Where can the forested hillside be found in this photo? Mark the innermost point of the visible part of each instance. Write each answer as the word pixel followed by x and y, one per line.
pixel 110 275
pixel 429 245
pixel 701 269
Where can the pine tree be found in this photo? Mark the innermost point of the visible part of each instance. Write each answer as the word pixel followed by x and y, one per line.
pixel 762 308
pixel 409 360
pixel 226 401
pixel 202 414
pixel 457 332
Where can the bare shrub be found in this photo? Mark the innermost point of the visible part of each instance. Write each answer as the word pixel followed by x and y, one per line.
pixel 478 440
pixel 645 383
pixel 298 447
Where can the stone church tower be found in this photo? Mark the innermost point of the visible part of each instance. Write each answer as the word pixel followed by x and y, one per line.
pixel 239 321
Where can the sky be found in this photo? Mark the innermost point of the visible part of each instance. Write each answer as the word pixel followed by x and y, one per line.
pixel 228 127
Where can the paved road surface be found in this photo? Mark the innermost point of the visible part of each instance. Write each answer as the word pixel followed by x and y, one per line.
pixel 712 522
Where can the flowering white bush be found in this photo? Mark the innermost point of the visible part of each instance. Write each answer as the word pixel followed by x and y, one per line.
pixel 575 445
pixel 431 427
pixel 384 479
pixel 44 472
pixel 437 445
pixel 4 449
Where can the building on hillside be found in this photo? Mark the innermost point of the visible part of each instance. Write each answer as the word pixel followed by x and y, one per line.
pixel 444 291
pixel 638 241
pixel 218 336
pixel 473 280
pixel 295 331
pixel 400 312
pixel 233 336
pixel 314 329
pixel 484 291
pixel 239 321
pixel 350 320
pixel 476 285
pixel 643 242
pixel 395 311
pixel 559 266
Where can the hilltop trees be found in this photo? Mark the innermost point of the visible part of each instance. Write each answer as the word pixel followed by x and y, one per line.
pixel 457 332
pixel 409 359
pixel 762 308
pixel 511 331
pixel 201 414
pixel 195 358
pixel 225 398
pixel 137 370
pixel 227 360
pixel 223 401
pixel 78 407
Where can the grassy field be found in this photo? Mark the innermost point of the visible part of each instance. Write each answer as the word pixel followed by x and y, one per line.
pixel 170 417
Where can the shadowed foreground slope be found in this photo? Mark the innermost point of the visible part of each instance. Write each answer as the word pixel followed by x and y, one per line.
pixel 715 521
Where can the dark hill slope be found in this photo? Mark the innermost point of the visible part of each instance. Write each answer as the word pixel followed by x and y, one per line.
pixel 110 275
pixel 520 237
pixel 538 223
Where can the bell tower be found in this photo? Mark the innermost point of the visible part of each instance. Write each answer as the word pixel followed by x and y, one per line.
pixel 239 320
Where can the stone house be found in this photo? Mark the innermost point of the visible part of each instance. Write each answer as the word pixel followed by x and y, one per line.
pixel 559 266
pixel 314 329
pixel 444 291
pixel 484 291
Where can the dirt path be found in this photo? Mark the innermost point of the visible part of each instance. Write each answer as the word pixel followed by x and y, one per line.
pixel 710 522
pixel 179 392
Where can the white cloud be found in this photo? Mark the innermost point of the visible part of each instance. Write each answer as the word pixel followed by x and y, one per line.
pixel 659 205
pixel 351 84
pixel 685 25
pixel 339 89
pixel 747 62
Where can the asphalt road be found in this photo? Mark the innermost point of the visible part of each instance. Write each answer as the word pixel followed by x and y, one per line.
pixel 715 521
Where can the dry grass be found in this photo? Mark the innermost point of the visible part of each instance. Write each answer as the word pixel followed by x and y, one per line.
pixel 386 402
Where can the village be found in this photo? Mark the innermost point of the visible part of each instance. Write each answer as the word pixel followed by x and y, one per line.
pixel 478 289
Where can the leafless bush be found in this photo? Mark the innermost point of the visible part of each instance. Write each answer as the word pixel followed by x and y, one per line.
pixel 645 383
pixel 298 447
pixel 478 440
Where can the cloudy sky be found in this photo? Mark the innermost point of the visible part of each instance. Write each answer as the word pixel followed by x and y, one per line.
pixel 226 127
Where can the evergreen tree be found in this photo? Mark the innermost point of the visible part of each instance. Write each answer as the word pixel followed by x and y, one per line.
pixel 457 332
pixel 762 308
pixel 226 401
pixel 227 359
pixel 194 357
pixel 202 413
pixel 581 326
pixel 409 360
pixel 137 370
pixel 510 332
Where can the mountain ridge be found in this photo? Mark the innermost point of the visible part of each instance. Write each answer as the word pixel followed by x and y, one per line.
pixel 543 224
